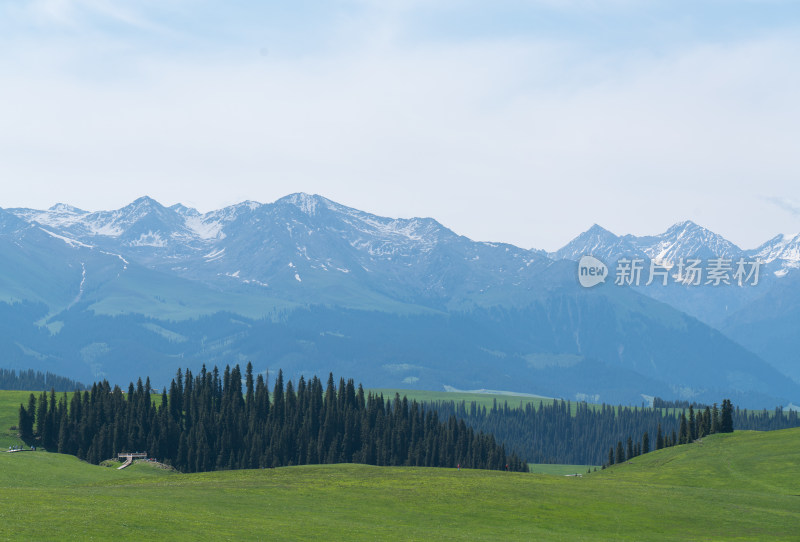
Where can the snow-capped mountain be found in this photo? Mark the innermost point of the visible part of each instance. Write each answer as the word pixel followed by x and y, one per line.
pixel 301 241
pixel 298 242
pixel 306 283
pixel 682 240
pixel 685 240
pixel 143 228
pixel 600 243
pixel 781 253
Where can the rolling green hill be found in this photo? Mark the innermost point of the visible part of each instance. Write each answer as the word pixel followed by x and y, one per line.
pixel 9 416
pixel 735 486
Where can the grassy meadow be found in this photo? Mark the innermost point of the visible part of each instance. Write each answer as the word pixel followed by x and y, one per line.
pixel 560 470
pixel 9 416
pixel 740 486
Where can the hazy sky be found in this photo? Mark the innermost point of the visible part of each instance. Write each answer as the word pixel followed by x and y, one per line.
pixel 523 121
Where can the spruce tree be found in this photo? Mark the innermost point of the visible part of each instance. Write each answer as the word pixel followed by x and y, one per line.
pixel 707 421
pixel 726 419
pixel 25 426
pixel 683 433
pixel 715 419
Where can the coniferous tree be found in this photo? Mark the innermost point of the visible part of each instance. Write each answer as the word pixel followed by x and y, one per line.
pixel 659 439
pixel 41 415
pixel 645 443
pixel 707 421
pixel 715 419
pixel 207 423
pixel 726 418
pixel 32 380
pixel 683 434
pixel 25 426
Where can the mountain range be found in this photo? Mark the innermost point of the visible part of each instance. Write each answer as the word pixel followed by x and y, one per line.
pixel 309 285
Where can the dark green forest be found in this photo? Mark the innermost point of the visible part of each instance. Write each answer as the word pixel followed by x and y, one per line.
pixel 553 433
pixel 206 422
pixel 32 380
pixel 199 425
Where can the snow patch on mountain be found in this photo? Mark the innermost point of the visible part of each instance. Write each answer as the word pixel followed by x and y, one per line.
pixel 782 247
pixel 67 240
pixel 685 240
pixel 210 226
pixel 214 255
pixel 105 229
pixel 681 241
pixel 305 202
pixel 149 239
pixel 58 216
pixel 205 227
pixel 783 251
pixel 81 286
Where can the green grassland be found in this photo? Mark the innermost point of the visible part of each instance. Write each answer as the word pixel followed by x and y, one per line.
pixel 560 470
pixel 737 486
pixel 9 416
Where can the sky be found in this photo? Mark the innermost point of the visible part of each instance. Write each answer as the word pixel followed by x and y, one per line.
pixel 523 121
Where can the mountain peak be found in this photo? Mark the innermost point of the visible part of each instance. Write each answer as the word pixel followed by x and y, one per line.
pixel 65 208
pixel 783 248
pixel 687 226
pixel 182 209
pixel 145 200
pixel 308 203
pixel 596 241
pixel 250 204
pixel 686 239
pixel 597 229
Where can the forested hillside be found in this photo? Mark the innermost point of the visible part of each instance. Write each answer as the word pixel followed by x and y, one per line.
pixel 206 423
pixel 582 434
pixel 31 380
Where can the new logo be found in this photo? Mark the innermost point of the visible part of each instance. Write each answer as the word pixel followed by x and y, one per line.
pixel 591 271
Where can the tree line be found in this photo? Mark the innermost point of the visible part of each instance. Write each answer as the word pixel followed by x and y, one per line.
pixel 206 422
pixel 658 402
pixel 690 428
pixel 561 431
pixel 31 380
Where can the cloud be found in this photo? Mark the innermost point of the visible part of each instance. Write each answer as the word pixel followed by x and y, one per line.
pixel 89 15
pixel 501 138
pixel 786 204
